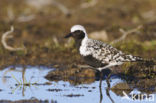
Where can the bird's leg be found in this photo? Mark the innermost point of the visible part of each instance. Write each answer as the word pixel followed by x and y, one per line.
pixel 107 93
pixel 107 90
pixel 100 85
pixel 101 76
pixel 107 79
pixel 101 95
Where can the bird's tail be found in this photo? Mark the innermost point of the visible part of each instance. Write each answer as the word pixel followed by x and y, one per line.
pixel 130 58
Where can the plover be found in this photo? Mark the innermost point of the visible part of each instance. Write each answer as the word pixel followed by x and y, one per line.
pixel 97 53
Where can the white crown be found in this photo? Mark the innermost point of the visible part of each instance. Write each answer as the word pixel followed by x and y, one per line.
pixel 78 27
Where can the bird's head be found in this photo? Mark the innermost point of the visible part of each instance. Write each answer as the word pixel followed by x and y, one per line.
pixel 77 32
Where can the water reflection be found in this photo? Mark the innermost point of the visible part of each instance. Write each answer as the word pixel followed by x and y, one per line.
pixel 28 83
pixel 22 82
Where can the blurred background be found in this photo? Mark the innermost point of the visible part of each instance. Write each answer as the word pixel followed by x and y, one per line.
pixel 40 25
pixel 36 60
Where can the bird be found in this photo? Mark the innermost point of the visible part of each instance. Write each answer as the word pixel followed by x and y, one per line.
pixel 98 54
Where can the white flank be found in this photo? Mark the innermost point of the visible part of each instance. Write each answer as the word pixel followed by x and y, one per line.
pixel 83 47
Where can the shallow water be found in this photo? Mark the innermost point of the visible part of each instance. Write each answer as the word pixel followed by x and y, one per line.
pixel 28 83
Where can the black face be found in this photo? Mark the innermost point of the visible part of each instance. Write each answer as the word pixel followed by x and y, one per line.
pixel 76 35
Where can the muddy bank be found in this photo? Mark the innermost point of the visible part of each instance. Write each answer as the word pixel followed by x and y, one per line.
pixel 140 76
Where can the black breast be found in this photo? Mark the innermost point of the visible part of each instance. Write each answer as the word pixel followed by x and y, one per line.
pixel 90 60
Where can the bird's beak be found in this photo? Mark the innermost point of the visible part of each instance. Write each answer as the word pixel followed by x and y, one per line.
pixel 68 35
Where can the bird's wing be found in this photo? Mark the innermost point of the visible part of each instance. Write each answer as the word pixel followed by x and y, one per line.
pixel 104 52
pixel 108 54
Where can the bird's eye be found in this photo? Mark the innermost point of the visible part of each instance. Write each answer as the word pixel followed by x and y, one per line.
pixel 78 31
